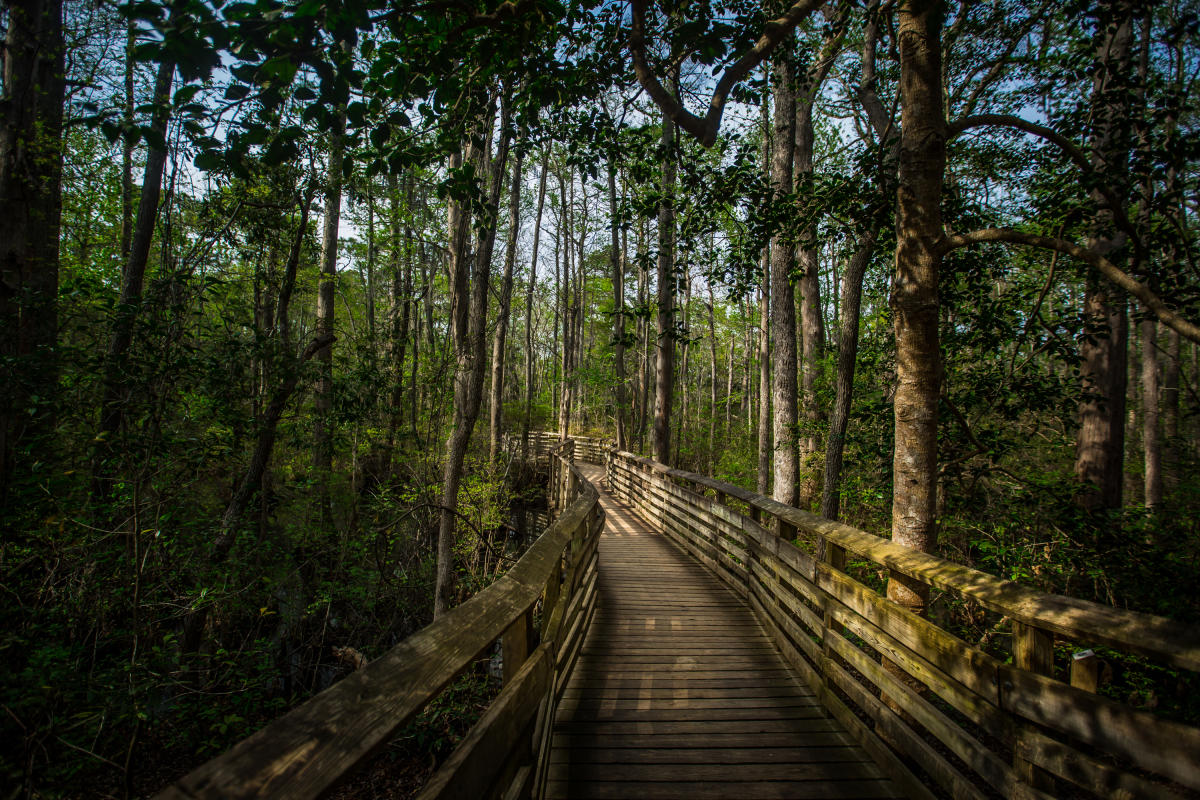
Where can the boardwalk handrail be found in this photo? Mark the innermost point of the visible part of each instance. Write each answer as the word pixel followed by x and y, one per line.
pixel 311 749
pixel 912 693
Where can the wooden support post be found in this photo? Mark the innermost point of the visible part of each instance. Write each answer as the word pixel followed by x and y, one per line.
pixel 515 644
pixel 1033 651
pixel 550 596
pixel 1085 671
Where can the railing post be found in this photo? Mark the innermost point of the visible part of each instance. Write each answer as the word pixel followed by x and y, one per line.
pixel 1085 671
pixel 1033 651
pixel 515 644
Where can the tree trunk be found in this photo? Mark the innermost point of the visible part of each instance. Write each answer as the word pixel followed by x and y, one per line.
pixel 1099 459
pixel 127 144
pixel 1170 410
pixel 529 360
pixel 1151 442
pixel 618 279
pixel 401 311
pixel 469 312
pixel 323 393
pixel 664 384
pixel 915 290
pixel 496 400
pixel 851 303
pixel 115 396
pixel 765 442
pixel 812 327
pixel 783 304
pixel 30 217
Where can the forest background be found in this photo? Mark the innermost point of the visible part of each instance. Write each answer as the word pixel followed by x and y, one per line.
pixel 278 276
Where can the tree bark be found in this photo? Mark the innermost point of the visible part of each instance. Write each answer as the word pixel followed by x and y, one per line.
pixel 915 290
pixel 31 122
pixel 618 280
pixel 783 303
pixel 1151 440
pixel 323 394
pixel 469 311
pixel 533 261
pixel 496 400
pixel 1100 451
pixel 765 442
pixel 664 385
pixel 115 395
pixel 851 304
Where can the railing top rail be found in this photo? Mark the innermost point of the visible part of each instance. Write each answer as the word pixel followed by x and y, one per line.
pixel 1163 639
pixel 310 749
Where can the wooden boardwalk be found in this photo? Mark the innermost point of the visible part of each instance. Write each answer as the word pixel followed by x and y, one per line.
pixel 679 693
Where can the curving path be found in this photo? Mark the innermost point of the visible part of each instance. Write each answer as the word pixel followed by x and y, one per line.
pixel 679 693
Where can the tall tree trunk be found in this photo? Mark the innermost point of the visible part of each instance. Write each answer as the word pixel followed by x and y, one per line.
pixel 644 377
pixel 851 303
pixel 469 314
pixel 126 143
pixel 533 261
pixel 568 320
pixel 496 400
pixel 1170 410
pixel 323 393
pixel 812 327
pixel 915 290
pixel 766 446
pixel 783 304
pixel 1099 459
pixel 618 280
pixel 712 380
pixel 401 311
pixel 115 395
pixel 1151 442
pixel 664 383
pixel 31 114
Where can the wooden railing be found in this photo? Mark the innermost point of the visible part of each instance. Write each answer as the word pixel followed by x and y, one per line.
pixel 539 610
pixel 941 716
pixel 541 444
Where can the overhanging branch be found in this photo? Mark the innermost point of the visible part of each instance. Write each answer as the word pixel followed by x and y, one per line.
pixel 1109 270
pixel 704 129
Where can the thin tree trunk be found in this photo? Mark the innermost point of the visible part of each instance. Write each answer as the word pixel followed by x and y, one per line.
pixel 766 445
pixel 469 313
pixel 1170 410
pixel 1151 442
pixel 113 404
pixel 496 400
pixel 128 144
pixel 323 393
pixel 783 304
pixel 835 445
pixel 712 381
pixel 812 328
pixel 618 279
pixel 533 261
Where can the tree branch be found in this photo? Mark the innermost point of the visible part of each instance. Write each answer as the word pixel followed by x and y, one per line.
pixel 705 129
pixel 1063 143
pixel 1105 267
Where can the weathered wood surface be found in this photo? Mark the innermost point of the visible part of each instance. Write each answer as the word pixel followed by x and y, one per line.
pixel 678 692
